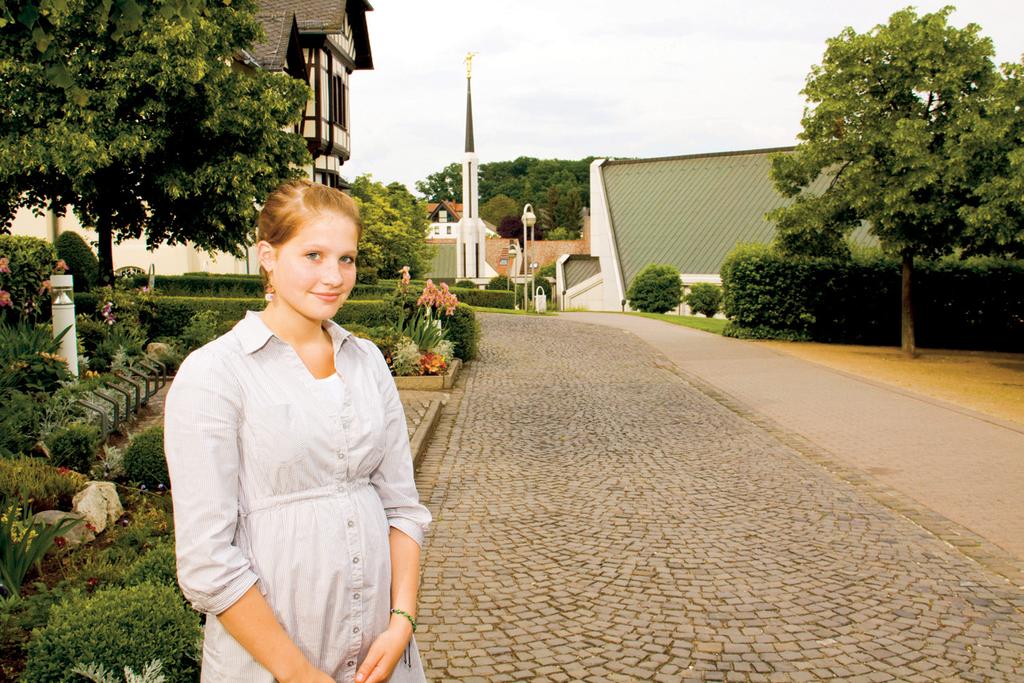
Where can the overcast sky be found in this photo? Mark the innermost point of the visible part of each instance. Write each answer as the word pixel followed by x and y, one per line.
pixel 573 78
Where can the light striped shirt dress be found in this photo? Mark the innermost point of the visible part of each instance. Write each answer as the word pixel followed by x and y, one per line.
pixel 292 484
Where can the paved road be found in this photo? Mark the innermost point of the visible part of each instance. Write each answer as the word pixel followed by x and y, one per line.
pixel 598 518
pixel 967 468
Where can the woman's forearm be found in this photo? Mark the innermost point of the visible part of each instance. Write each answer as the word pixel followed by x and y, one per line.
pixel 405 574
pixel 252 623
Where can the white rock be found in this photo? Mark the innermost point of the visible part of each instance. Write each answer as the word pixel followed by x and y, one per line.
pixel 99 503
pixel 78 534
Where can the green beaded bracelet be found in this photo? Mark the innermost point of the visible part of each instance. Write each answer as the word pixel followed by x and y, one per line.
pixel 407 616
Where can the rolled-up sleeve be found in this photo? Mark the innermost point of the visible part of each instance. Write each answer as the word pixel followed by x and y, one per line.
pixel 394 479
pixel 201 420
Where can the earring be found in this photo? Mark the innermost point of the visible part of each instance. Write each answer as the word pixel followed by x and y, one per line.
pixel 269 296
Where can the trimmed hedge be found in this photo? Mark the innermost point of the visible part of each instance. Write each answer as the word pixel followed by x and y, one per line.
pixel 245 286
pixel 171 314
pixel 972 304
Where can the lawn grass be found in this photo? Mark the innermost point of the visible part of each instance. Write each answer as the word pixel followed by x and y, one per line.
pixel 697 322
pixel 507 311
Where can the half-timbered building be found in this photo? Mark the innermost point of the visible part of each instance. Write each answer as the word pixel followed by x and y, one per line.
pixel 321 42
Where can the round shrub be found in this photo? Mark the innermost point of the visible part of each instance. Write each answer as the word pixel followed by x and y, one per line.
pixel 144 459
pixel 705 298
pixel 655 289
pixel 80 259
pixel 468 284
pixel 498 282
pixel 116 627
pixel 157 567
pixel 74 447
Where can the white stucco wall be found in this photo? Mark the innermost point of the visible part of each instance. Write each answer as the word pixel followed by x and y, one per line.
pixel 168 260
pixel 602 245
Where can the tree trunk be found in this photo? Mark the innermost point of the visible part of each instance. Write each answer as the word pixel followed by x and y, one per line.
pixel 106 252
pixel 907 332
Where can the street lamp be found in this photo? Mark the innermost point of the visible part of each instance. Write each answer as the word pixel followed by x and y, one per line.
pixel 513 254
pixel 529 220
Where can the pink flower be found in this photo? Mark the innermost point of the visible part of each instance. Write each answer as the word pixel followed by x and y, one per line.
pixel 61 266
pixel 405 275
pixel 45 287
pixel 5 299
pixel 5 265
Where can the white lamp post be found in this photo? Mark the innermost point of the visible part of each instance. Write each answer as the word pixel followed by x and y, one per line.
pixel 62 293
pixel 529 220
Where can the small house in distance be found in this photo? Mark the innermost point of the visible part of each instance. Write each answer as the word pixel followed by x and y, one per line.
pixel 685 211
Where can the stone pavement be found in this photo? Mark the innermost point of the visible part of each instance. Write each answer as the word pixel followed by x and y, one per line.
pixel 596 517
pixel 967 467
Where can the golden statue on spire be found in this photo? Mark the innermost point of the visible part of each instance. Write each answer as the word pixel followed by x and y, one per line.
pixel 469 63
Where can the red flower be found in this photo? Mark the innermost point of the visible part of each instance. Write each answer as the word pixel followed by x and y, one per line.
pixel 60 541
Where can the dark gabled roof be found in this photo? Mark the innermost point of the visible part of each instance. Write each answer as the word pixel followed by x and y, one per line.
pixel 273 54
pixel 321 17
pixel 690 211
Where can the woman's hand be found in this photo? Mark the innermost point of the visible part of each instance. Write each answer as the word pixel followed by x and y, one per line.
pixel 385 652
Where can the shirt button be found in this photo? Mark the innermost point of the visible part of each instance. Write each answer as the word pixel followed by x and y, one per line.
pixel 356 596
pixel 351 523
pixel 350 663
pixel 355 629
pixel 355 560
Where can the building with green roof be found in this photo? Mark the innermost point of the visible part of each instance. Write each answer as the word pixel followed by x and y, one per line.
pixel 685 211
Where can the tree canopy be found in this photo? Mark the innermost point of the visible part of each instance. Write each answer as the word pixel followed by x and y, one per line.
pixel 395 227
pixel 145 127
pixel 557 189
pixel 921 138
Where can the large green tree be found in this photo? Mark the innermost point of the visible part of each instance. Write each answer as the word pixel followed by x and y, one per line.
pixel 498 207
pixel 144 126
pixel 395 228
pixel 903 120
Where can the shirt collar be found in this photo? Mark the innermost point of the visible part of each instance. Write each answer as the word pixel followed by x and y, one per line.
pixel 254 334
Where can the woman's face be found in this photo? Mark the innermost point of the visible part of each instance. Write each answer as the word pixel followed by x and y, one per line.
pixel 314 271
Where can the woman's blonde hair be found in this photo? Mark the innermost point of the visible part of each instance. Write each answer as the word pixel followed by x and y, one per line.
pixel 293 203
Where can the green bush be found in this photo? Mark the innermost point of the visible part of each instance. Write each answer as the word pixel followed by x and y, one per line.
pixel 156 567
pixel 705 298
pixel 465 284
pixel 201 330
pixel 498 282
pixel 19 423
pixel 74 447
pixel 971 304
pixel 80 259
pixel 655 289
pixel 144 460
pixel 37 480
pixel 116 627
pixel 463 330
pixel 30 262
pixel 28 355
pixel 547 270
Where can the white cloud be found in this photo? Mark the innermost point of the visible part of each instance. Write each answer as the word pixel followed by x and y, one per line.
pixel 571 79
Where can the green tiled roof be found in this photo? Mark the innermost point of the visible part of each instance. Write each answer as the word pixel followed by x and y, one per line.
pixel 579 268
pixel 443 264
pixel 691 211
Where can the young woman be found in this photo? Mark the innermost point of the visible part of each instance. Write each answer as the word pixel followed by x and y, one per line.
pixel 297 521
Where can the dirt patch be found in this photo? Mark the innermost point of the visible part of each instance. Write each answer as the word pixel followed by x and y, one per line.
pixel 990 383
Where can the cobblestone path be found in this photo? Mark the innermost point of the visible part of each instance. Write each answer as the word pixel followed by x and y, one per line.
pixel 597 518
